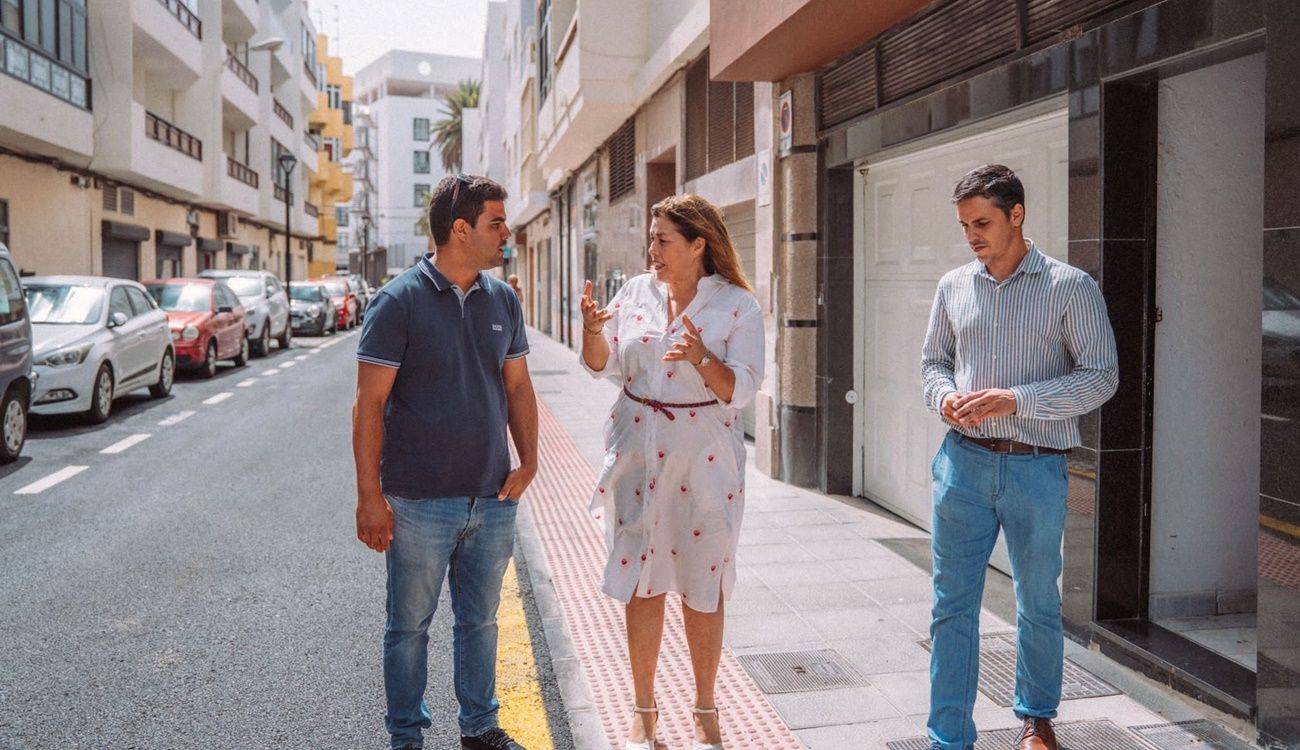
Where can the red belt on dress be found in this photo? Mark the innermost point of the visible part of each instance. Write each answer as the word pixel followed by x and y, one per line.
pixel 662 406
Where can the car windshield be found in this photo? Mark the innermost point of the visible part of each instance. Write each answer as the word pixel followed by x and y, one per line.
pixel 73 305
pixel 182 297
pixel 1278 297
pixel 245 286
pixel 335 288
pixel 306 293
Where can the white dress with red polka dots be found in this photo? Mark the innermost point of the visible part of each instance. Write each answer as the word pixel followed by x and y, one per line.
pixel 671 493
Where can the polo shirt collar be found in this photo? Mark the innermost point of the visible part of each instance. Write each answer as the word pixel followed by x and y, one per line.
pixel 442 283
pixel 1033 262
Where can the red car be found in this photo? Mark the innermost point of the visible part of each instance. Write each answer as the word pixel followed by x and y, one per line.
pixel 206 319
pixel 345 300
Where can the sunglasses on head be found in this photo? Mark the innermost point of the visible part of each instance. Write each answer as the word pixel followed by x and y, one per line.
pixel 455 194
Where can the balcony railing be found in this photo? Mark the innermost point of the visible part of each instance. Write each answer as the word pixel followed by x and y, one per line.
pixel 282 113
pixel 311 209
pixel 281 194
pixel 241 172
pixel 312 140
pixel 33 65
pixel 241 71
pixel 185 16
pixel 160 130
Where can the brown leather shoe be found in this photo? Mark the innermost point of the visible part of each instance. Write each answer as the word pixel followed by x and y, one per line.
pixel 1037 734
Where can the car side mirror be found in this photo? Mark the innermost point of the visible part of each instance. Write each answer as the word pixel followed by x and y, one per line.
pixel 225 309
pixel 117 319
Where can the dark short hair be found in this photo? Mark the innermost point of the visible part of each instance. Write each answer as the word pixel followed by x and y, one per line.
pixel 470 193
pixel 993 181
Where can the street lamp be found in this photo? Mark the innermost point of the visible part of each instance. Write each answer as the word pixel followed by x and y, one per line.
pixel 287 162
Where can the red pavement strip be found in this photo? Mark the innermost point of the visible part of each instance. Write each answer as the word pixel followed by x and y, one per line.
pixel 575 550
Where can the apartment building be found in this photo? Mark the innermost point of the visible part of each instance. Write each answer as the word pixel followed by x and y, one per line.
pixel 402 92
pixel 142 138
pixel 358 252
pixel 330 189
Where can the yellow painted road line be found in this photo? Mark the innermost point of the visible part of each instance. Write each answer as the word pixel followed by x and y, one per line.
pixel 523 714
pixel 1289 529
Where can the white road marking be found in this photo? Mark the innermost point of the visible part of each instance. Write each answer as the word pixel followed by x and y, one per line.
pixel 176 419
pixel 125 443
pixel 218 398
pixel 245 383
pixel 301 357
pixel 287 365
pixel 42 485
pixel 271 372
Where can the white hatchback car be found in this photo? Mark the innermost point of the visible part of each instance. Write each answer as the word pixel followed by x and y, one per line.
pixel 96 338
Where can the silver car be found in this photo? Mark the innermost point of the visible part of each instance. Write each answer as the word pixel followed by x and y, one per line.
pixel 95 338
pixel 266 307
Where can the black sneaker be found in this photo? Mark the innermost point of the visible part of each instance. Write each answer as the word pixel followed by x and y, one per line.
pixel 493 739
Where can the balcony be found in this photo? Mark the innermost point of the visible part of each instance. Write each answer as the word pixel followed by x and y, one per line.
pixel 57 123
pixel 238 187
pixel 311 209
pixel 282 113
pixel 308 148
pixel 238 94
pixel 166 38
pixel 307 88
pixel 241 172
pixel 146 149
pixel 239 18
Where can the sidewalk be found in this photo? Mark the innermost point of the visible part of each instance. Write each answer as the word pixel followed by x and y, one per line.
pixel 826 630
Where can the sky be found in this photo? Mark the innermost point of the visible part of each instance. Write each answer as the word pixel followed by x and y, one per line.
pixel 366 29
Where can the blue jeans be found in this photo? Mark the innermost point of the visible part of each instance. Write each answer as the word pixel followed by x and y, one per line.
pixel 976 492
pixel 469 541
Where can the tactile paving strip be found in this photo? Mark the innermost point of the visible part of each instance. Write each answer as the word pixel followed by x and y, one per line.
pixel 998 673
pixel 576 553
pixel 1190 735
pixel 1070 735
pixel 799 671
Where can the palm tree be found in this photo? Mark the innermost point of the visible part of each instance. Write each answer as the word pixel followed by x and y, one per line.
pixel 447 131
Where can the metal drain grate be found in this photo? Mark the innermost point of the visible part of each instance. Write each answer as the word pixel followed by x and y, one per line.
pixel 1190 735
pixel 1071 735
pixel 998 673
pixel 800 671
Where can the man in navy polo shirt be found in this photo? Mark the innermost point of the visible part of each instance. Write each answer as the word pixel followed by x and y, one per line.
pixel 441 373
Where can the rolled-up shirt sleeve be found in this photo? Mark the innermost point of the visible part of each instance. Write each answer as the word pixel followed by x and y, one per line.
pixel 383 335
pixel 745 354
pixel 609 332
pixel 1095 375
pixel 938 354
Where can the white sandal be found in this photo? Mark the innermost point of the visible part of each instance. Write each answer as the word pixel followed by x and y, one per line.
pixel 649 744
pixel 705 745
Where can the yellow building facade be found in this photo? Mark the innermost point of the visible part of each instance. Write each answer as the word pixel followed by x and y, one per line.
pixel 330 188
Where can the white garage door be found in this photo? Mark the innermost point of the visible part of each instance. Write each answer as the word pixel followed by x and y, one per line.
pixel 907 238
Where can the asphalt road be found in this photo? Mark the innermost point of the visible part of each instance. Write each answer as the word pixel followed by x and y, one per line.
pixel 201 588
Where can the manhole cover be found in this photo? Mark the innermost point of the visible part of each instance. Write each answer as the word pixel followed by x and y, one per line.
pixel 998 673
pixel 1190 735
pixel 799 671
pixel 1071 735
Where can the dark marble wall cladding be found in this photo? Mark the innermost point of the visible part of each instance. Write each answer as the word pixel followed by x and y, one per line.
pixel 1166 30
pixel 835 334
pixel 1282 115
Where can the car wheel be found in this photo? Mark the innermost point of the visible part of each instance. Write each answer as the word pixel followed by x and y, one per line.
pixel 166 375
pixel 285 338
pixel 241 359
pixel 13 425
pixel 210 361
pixel 101 397
pixel 262 346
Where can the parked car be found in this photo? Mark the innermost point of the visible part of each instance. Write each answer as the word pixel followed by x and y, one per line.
pixel 363 292
pixel 16 374
pixel 206 321
pixel 266 306
pixel 344 299
pixel 1281 351
pixel 95 339
pixel 313 310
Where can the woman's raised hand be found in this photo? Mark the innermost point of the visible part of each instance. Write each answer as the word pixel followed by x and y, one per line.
pixel 593 316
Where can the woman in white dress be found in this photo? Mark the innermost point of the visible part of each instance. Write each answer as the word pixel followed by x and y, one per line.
pixel 686 342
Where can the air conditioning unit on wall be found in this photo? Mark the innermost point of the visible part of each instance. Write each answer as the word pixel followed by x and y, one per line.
pixel 227 224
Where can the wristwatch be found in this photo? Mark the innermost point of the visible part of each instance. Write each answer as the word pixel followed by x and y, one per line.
pixel 707 358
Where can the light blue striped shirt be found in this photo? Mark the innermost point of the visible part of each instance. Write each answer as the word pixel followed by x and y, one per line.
pixel 1042 332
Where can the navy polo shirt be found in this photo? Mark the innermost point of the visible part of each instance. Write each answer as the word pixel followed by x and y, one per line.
pixel 445 420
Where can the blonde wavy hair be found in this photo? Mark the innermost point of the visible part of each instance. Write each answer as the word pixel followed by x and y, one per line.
pixel 695 217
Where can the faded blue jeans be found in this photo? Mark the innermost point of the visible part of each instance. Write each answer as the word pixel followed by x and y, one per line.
pixel 976 492
pixel 468 541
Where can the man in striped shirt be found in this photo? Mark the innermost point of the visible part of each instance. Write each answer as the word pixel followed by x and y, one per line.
pixel 1018 347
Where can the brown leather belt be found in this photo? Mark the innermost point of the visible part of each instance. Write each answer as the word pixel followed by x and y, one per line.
pixel 662 406
pixel 1006 445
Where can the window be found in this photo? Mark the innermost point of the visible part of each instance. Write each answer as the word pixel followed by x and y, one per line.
pixel 421 129
pixel 118 302
pixel 333 96
pixel 308 48
pixel 333 148
pixel 421 163
pixel 11 15
pixel 341 216
pixel 141 303
pixel 11 294
pixel 544 60
pixel 4 223
pixel 347 113
pixel 277 174
pixel 421 194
